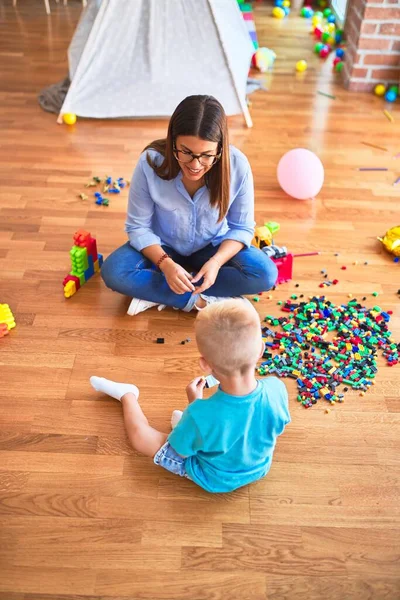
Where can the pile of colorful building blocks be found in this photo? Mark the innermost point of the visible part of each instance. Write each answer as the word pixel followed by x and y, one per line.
pixel 85 262
pixel 7 320
pixel 110 186
pixel 303 351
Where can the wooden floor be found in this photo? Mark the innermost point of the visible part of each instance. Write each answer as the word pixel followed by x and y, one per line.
pixel 81 515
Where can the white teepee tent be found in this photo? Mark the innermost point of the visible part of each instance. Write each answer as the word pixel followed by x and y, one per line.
pixel 140 58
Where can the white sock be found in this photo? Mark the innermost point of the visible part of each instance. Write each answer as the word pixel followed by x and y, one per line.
pixel 113 388
pixel 175 418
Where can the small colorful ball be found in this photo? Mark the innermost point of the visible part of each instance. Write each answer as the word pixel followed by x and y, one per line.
pixel 318 47
pixel 336 61
pixel 325 36
pixel 340 52
pixel 324 51
pixel 69 118
pixel 338 37
pixel 287 10
pixel 395 89
pixel 315 21
pixel 331 28
pixel 319 14
pixel 286 4
pixel 301 66
pixel 390 96
pixel 331 18
pixel 318 32
pixel 339 67
pixel 327 12
pixel 279 3
pixel 380 89
pixel 278 12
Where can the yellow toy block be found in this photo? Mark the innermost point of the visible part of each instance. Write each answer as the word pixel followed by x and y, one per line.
pixel 69 289
pixel 96 266
pixel 6 316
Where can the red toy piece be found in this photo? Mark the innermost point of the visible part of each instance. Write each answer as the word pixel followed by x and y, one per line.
pixel 285 268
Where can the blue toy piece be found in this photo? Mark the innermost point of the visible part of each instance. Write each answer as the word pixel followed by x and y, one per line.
pixel 390 96
pixel 99 200
pixel 331 19
pixel 338 37
pixel 287 10
pixel 97 194
pixel 340 52
pixel 90 270
pixel 279 3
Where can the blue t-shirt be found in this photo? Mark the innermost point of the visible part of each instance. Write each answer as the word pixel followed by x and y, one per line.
pixel 228 441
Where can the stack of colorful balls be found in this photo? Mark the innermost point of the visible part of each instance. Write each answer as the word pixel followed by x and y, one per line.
pixel 281 9
pixel 390 93
pixel 324 29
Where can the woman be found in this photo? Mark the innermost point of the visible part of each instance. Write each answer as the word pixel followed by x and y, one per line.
pixel 190 219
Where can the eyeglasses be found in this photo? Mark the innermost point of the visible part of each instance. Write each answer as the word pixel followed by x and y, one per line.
pixel 185 156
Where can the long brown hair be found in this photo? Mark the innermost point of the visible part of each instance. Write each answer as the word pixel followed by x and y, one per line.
pixel 202 117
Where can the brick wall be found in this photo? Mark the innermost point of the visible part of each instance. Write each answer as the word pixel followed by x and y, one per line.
pixel 372 32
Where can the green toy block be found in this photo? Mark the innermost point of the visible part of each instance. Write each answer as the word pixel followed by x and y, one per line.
pixel 79 259
pixel 81 276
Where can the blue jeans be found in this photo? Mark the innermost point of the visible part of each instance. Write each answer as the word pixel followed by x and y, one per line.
pixel 167 458
pixel 130 273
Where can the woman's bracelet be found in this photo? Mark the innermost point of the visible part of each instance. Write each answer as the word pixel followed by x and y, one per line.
pixel 163 257
pixel 216 260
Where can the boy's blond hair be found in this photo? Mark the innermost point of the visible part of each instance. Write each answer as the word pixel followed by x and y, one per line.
pixel 228 335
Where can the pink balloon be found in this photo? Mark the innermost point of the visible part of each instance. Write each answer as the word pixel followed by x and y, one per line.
pixel 300 174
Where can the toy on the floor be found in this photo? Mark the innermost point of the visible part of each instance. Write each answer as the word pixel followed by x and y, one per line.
pixel 320 365
pixel 85 261
pixel 263 59
pixel 391 240
pixel 263 235
pixel 301 66
pixel 69 119
pixel 300 174
pixel 325 31
pixel 7 320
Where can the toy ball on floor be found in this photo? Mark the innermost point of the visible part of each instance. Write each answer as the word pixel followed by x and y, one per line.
pixel 306 12
pixel 264 59
pixel 324 51
pixel 279 3
pixel 318 47
pixel 340 52
pixel 286 4
pixel 390 96
pixel 339 67
pixel 318 32
pixel 278 13
pixel 301 66
pixel 331 18
pixel 391 240
pixel 69 118
pixel 300 174
pixel 380 89
pixel 327 12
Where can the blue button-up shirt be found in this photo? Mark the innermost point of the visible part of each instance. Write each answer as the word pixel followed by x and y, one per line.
pixel 162 212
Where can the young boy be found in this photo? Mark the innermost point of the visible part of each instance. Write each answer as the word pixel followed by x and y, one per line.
pixel 226 441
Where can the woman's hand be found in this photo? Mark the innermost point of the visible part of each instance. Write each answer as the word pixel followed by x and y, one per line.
pixel 195 389
pixel 209 271
pixel 178 279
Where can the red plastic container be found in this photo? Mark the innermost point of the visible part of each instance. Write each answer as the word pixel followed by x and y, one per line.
pixel 285 268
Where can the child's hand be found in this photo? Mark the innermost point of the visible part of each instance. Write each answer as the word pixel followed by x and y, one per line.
pixel 195 389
